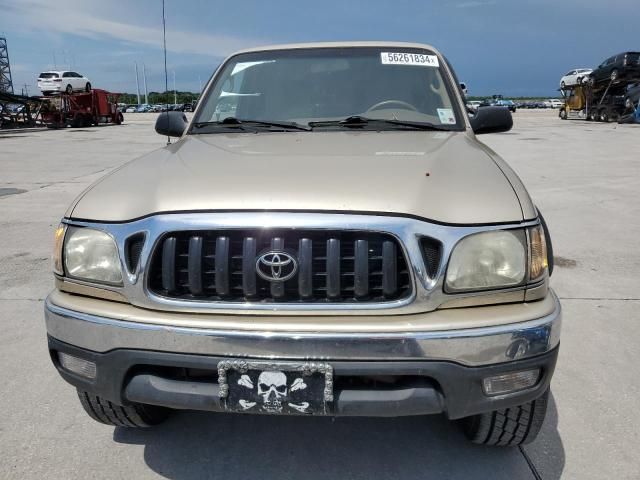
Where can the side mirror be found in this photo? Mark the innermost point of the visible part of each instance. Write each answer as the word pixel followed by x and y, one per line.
pixel 491 120
pixel 171 124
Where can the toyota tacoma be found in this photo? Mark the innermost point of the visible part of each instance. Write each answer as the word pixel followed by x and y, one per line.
pixel 326 237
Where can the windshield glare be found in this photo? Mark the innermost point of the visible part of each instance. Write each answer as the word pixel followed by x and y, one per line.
pixel 311 85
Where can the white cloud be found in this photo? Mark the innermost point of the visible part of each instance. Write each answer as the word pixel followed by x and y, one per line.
pixel 79 18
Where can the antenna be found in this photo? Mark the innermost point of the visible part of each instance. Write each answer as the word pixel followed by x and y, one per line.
pixel 166 75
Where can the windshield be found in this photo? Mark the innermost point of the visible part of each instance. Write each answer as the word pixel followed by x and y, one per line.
pixel 305 86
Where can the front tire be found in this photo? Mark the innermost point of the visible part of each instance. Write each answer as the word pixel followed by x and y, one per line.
pixel 136 415
pixel 69 89
pixel 508 427
pixel 87 87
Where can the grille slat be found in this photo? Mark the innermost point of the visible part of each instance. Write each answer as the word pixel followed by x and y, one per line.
pixel 389 269
pixel 169 264
pixel 333 266
pixel 222 266
pixel 305 266
pixel 195 265
pixel 249 266
pixel 361 273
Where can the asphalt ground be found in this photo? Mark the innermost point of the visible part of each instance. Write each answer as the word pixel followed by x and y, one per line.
pixel 585 178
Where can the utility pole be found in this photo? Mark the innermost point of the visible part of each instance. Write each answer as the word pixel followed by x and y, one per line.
pixel 25 90
pixel 144 79
pixel 137 84
pixel 175 94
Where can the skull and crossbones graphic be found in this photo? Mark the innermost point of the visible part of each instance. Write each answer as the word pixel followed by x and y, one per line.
pixel 273 390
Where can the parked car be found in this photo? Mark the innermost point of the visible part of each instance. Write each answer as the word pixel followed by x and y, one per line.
pixel 624 66
pixel 553 103
pixel 132 109
pixel 574 77
pixel 506 103
pixel 62 81
pixel 190 279
pixel 632 96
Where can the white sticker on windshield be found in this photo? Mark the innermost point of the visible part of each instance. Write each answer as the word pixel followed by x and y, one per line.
pixel 419 59
pixel 446 116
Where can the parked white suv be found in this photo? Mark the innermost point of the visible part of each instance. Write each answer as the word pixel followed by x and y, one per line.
pixel 63 81
pixel 574 77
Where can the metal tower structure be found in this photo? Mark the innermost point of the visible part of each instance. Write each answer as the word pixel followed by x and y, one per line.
pixel 6 84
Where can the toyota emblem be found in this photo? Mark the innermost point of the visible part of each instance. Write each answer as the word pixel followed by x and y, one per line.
pixel 276 266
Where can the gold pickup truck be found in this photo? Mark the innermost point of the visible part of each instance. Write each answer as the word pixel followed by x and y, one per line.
pixel 326 237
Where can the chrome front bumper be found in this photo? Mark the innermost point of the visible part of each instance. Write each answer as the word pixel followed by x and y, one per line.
pixel 466 346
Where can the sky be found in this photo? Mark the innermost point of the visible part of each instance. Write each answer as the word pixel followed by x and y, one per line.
pixel 511 47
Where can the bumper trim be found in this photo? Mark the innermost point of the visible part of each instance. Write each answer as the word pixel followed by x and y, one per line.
pixel 423 387
pixel 470 346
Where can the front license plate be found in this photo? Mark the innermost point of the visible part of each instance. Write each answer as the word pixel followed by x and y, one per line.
pixel 276 387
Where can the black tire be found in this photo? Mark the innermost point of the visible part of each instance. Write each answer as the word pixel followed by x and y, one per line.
pixel 69 89
pixel 562 85
pixel 119 118
pixel 563 113
pixel 131 416
pixel 77 121
pixel 579 81
pixel 604 116
pixel 508 427
pixel 87 87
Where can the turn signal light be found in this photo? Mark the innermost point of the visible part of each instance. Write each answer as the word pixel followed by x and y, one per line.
pixel 538 245
pixel 76 365
pixel 510 382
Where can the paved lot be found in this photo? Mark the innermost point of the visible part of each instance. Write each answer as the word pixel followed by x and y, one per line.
pixel 584 177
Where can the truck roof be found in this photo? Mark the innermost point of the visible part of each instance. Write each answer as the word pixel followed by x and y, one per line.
pixel 295 46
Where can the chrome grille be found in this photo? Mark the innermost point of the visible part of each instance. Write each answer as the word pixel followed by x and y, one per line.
pixel 333 266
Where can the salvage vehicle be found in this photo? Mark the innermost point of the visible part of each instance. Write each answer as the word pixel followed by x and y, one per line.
pixel 342 245
pixel 624 66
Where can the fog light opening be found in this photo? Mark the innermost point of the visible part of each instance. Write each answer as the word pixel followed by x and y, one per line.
pixel 510 382
pixel 76 365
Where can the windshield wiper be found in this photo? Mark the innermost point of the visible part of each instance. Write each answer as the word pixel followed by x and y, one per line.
pixel 233 122
pixel 355 121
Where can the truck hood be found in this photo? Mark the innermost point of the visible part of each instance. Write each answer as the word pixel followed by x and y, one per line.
pixel 447 177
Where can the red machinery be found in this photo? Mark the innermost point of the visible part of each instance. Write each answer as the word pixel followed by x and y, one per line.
pixel 81 109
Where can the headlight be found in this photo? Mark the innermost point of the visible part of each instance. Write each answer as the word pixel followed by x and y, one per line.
pixel 488 260
pixel 91 255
